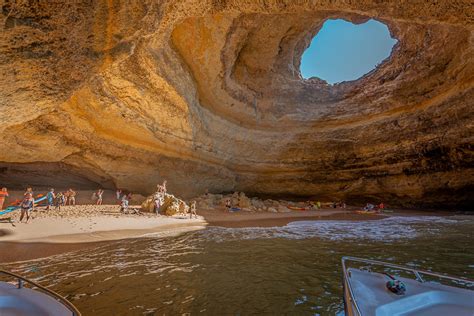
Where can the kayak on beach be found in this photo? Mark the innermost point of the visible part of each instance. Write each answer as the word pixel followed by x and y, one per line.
pixel 295 208
pixel 16 204
pixel 366 212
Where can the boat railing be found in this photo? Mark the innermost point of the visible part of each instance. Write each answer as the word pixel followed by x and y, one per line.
pixel 21 280
pixel 418 275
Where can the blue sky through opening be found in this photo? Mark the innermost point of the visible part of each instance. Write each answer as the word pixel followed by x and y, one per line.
pixel 342 51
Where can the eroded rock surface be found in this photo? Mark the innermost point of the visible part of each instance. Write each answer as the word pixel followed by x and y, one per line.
pixel 208 95
pixel 169 205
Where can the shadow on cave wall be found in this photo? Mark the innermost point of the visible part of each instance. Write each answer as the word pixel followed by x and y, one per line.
pixel 44 175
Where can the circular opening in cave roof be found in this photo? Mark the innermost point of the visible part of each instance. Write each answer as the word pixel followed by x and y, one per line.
pixel 343 51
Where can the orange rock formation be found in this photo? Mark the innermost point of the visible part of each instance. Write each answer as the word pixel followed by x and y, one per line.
pixel 208 94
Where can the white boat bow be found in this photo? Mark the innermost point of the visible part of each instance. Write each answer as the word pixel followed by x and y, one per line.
pixel 18 300
pixel 368 293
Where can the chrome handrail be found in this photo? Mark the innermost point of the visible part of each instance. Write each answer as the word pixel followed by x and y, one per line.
pixel 63 300
pixel 395 266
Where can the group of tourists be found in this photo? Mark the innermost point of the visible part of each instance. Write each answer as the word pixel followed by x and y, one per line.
pixel 374 208
pixel 60 198
pixel 123 200
pixel 27 204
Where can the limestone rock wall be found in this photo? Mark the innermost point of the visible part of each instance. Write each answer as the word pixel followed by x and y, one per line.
pixel 208 95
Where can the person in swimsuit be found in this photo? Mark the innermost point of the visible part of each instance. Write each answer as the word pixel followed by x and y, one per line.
pixel 99 196
pixel 228 204
pixel 164 186
pixel 161 188
pixel 72 197
pixel 124 204
pixel 192 210
pixel 59 200
pixel 3 195
pixel 66 197
pixel 50 197
pixel 27 205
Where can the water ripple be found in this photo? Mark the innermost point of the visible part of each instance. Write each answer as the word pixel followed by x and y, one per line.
pixel 384 230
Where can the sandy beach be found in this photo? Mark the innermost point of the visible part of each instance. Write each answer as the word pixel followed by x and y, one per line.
pixel 89 223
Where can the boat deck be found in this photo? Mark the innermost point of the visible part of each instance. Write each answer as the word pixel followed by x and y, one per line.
pixel 24 301
pixel 420 298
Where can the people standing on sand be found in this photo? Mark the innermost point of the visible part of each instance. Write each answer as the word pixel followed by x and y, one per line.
pixel 99 195
pixel 318 205
pixel 118 194
pixel 66 197
pixel 192 210
pixel 3 195
pixel 72 197
pixel 50 197
pixel 228 204
pixel 27 205
pixel 124 204
pixel 59 201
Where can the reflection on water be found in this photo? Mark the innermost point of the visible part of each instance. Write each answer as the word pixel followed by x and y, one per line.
pixel 248 271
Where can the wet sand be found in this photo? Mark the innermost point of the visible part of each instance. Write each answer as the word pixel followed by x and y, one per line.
pixel 21 251
pixel 280 219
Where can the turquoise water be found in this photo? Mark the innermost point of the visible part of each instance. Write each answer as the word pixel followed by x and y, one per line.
pixel 248 271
